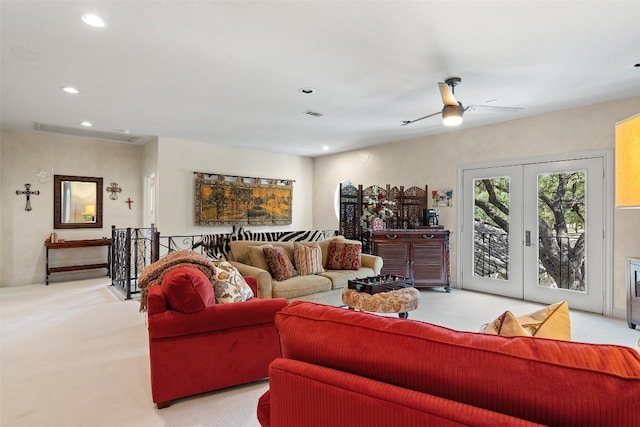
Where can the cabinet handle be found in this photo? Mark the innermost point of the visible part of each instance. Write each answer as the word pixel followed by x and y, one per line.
pixel 428 236
pixel 395 236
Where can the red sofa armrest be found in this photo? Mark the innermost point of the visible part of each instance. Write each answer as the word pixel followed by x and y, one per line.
pixel 156 302
pixel 253 284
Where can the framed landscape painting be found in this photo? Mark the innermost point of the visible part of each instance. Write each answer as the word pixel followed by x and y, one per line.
pixel 233 200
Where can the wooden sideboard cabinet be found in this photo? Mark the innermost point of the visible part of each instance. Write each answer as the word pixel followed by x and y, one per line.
pixel 420 254
pixel 633 296
pixel 75 244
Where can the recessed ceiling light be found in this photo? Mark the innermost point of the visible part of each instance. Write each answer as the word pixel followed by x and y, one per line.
pixel 325 148
pixel 70 89
pixel 306 90
pixel 93 20
pixel 86 124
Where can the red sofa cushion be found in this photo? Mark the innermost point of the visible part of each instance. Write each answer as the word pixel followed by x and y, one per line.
pixel 545 381
pixel 187 289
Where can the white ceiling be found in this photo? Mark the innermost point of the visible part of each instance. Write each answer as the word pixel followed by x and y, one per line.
pixel 228 72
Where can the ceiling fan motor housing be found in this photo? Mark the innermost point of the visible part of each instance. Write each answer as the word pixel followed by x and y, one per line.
pixel 453 81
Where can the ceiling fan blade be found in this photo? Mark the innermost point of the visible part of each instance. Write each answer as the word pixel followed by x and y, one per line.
pixel 447 94
pixel 494 107
pixel 408 122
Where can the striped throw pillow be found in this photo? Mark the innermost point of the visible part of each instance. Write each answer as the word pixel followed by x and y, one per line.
pixel 307 258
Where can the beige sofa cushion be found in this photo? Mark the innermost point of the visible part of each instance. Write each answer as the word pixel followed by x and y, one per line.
pixel 300 286
pixel 340 278
pixel 256 255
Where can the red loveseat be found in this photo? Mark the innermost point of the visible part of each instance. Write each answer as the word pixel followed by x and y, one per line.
pixel 341 367
pixel 196 345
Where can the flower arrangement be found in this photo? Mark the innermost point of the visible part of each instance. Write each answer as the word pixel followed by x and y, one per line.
pixel 378 206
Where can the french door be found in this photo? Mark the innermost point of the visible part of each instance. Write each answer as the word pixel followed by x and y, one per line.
pixel 535 231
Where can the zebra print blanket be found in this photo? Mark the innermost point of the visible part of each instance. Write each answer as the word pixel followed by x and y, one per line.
pixel 216 246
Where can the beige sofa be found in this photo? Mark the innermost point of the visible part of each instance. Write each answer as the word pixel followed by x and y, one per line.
pixel 323 287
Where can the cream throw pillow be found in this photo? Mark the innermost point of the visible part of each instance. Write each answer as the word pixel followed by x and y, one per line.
pixel 549 322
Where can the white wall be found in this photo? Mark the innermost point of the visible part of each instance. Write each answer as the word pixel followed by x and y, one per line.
pixel 178 159
pixel 434 161
pixel 22 233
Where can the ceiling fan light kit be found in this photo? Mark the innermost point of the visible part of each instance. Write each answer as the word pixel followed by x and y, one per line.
pixel 452 115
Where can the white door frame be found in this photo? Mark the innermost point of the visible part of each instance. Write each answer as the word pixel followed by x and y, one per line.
pixel 607 156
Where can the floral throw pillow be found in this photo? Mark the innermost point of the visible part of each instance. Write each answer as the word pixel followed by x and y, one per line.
pixel 228 274
pixel 307 258
pixel 279 263
pixel 226 293
pixel 344 256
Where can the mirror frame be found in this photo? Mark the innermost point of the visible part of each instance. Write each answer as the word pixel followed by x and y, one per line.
pixel 57 202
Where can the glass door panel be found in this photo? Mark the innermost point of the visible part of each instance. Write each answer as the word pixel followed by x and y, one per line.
pixel 564 246
pixel 491 227
pixel 494 223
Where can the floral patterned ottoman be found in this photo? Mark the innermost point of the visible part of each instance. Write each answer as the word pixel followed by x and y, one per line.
pixel 399 301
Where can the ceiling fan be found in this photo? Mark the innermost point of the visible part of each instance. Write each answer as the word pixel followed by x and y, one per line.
pixel 453 110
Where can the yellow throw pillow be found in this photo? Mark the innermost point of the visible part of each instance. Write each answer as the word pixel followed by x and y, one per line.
pixel 550 322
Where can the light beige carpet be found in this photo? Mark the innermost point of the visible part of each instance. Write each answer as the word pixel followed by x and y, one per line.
pixel 75 354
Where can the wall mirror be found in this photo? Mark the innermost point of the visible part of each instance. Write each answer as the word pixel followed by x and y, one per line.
pixel 77 202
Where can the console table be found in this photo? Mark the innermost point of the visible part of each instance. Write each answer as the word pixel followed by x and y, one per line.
pixel 75 244
pixel 420 254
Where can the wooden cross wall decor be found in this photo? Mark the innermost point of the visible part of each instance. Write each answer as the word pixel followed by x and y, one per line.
pixel 27 192
pixel 129 201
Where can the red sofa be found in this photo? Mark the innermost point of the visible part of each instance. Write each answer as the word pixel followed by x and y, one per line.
pixel 341 367
pixel 219 345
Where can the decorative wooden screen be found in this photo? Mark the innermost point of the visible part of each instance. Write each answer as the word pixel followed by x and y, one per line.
pixel 349 211
pixel 407 211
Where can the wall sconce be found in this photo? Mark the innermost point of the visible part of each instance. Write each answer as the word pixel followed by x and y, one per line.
pixel 628 163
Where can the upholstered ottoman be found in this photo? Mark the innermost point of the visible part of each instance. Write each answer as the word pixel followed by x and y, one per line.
pixel 399 301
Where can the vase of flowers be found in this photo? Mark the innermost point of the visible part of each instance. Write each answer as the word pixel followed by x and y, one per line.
pixel 377 210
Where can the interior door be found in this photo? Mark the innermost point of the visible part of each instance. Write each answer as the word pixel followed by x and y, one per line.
pixel 535 231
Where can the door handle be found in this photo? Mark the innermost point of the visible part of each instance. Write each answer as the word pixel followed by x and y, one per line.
pixel 527 238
